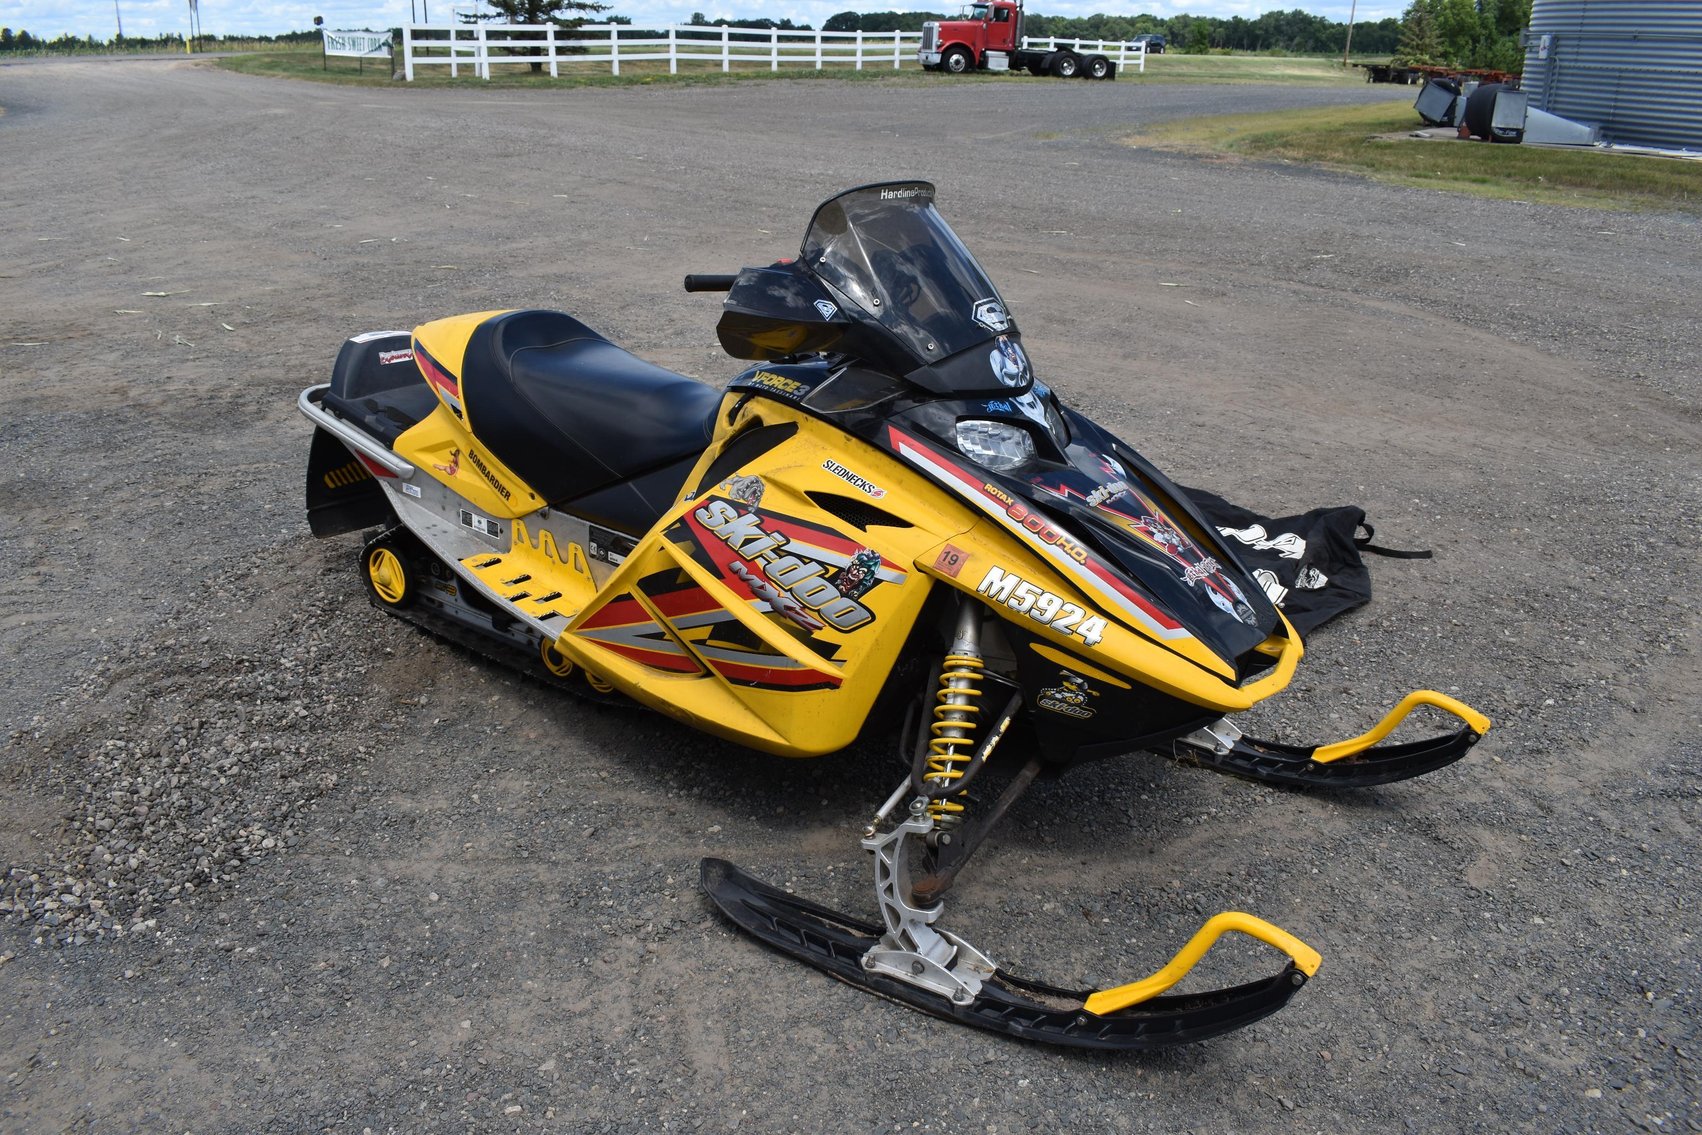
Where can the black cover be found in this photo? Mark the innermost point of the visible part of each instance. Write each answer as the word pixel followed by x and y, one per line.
pixel 1309 565
pixel 570 412
pixel 376 384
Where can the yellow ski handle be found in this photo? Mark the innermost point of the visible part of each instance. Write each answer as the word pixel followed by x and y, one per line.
pixel 1304 957
pixel 1479 724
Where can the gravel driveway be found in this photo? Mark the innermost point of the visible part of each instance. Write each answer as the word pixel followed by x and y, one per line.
pixel 274 862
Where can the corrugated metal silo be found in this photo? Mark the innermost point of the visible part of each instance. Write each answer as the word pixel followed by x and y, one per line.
pixel 1633 66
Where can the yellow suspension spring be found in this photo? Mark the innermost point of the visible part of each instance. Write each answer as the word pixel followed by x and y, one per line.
pixel 951 741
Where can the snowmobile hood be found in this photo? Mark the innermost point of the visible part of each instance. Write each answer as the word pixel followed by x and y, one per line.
pixel 1123 533
pixel 1125 507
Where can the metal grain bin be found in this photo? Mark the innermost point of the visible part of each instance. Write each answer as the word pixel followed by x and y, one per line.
pixel 1633 66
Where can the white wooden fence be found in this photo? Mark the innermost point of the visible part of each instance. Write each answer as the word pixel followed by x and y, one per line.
pixel 480 46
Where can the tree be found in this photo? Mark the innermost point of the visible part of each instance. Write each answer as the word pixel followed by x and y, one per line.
pixel 537 12
pixel 1459 28
pixel 1420 44
pixel 843 22
pixel 1464 33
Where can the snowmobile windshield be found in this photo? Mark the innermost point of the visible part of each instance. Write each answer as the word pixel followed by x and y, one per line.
pixel 890 253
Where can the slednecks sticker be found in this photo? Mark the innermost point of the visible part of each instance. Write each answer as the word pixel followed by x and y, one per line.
pixel 812 577
pixel 869 487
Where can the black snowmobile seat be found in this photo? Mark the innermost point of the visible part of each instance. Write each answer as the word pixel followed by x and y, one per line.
pixel 569 411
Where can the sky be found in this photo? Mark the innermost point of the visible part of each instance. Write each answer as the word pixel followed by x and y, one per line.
pixel 148 18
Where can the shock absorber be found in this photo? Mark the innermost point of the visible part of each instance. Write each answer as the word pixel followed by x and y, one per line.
pixel 957 703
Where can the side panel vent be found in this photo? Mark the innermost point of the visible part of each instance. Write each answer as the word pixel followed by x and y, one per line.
pixel 856 512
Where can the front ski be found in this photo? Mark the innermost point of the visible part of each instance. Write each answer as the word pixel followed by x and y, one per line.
pixel 1355 763
pixel 839 945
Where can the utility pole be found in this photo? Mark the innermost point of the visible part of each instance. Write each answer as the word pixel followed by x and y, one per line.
pixel 1351 9
pixel 120 17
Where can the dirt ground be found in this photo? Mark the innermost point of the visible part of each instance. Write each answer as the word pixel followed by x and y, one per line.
pixel 274 862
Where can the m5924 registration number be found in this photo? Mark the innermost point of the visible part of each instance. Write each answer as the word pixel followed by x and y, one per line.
pixel 1045 608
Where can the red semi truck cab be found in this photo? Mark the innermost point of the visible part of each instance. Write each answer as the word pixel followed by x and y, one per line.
pixel 989 38
pixel 962 45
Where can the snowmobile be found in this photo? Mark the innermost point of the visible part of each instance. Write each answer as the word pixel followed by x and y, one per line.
pixel 888 517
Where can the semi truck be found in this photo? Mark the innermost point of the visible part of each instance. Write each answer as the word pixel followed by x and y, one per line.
pixel 989 38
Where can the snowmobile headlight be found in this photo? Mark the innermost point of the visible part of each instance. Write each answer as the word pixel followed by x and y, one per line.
pixel 997 445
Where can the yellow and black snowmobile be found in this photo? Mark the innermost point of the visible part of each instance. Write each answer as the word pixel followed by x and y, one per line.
pixel 889 510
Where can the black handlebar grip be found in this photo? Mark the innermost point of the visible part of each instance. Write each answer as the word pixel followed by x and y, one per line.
pixel 710 283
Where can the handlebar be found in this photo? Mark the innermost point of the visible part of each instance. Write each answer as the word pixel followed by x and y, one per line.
pixel 714 283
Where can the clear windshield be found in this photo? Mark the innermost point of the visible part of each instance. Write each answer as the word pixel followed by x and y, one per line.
pixel 890 253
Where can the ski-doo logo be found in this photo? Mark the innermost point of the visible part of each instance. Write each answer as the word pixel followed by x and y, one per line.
pixel 1110 491
pixel 844 474
pixel 1069 697
pixel 1045 608
pixel 794 586
pixel 484 471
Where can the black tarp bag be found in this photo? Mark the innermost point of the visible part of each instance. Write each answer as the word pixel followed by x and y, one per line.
pixel 1310 565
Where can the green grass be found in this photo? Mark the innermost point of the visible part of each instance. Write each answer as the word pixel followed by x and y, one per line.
pixel 1307 71
pixel 1374 141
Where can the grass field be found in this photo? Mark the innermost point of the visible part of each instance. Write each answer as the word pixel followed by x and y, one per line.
pixel 1292 70
pixel 1375 141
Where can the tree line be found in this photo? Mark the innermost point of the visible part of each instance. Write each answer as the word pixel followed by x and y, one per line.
pixel 1448 33
pixel 1296 32
pixel 22 41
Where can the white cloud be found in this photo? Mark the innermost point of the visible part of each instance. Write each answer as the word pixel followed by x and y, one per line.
pixel 48 19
